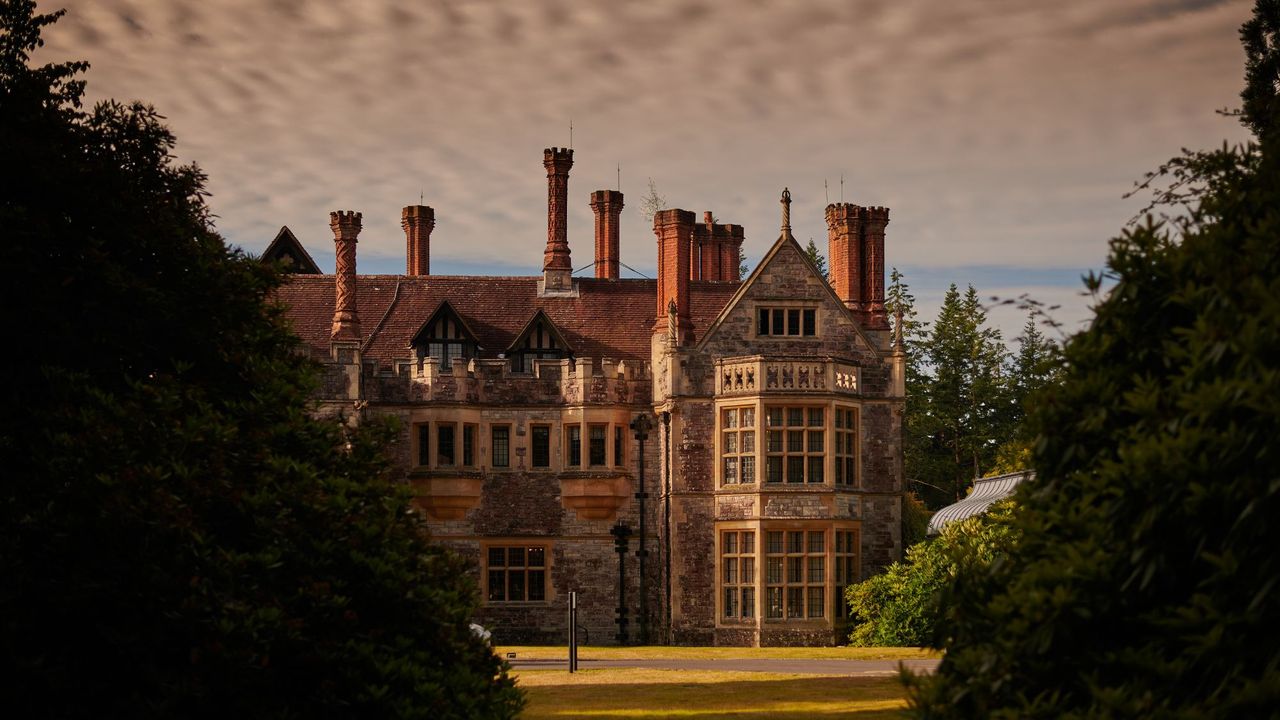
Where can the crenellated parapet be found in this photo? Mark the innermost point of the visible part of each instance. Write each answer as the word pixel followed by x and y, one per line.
pixel 580 381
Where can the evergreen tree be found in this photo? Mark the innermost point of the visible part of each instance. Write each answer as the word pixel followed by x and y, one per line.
pixel 1143 584
pixel 963 421
pixel 819 261
pixel 178 536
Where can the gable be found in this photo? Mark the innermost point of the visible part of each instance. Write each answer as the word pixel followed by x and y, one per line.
pixel 286 250
pixel 540 334
pixel 444 324
pixel 786 287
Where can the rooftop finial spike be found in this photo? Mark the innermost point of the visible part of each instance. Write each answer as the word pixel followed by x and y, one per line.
pixel 786 211
pixel 897 329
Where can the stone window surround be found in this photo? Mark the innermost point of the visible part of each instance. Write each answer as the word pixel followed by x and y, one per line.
pixel 786 304
pixel 548 546
pixel 761 528
pixel 521 438
pixel 432 431
pixel 761 440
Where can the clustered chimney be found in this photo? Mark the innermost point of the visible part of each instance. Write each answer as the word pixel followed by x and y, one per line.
pixel 346 323
pixel 557 268
pixel 607 206
pixel 418 221
pixel 714 250
pixel 856 252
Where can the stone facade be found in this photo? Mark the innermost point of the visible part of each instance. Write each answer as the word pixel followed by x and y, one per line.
pixel 771 471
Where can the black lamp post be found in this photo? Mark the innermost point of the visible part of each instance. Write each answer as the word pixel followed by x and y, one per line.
pixel 641 426
pixel 620 534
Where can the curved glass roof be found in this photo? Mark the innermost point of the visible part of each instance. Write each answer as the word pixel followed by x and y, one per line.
pixel 986 491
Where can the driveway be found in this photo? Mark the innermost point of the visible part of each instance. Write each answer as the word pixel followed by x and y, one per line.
pixel 863 668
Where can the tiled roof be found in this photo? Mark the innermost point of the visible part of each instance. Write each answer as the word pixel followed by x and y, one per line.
pixel 609 318
pixel 986 491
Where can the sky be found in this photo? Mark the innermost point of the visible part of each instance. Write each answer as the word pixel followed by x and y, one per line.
pixel 1002 134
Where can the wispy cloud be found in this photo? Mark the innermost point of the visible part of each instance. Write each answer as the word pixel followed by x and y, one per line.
pixel 1000 133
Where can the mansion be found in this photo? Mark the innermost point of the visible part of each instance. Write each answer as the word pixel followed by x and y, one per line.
pixel 703 458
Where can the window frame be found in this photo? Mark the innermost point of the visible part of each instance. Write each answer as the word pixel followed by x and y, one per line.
pixel 534 431
pixel 795 447
pixel 787 320
pixel 735 433
pixel 798 593
pixel 845 446
pixel 573 445
pixel 508 570
pixel 742 587
pixel 494 429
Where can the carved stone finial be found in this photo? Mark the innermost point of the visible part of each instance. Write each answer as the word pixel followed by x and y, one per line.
pixel 786 210
pixel 673 338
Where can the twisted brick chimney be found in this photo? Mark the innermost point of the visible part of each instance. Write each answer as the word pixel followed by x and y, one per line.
pixel 346 323
pixel 607 206
pixel 557 268
pixel 418 221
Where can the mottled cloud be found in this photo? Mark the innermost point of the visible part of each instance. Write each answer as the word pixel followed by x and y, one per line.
pixel 1001 133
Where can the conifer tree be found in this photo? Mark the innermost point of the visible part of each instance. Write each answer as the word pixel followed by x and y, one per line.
pixel 818 259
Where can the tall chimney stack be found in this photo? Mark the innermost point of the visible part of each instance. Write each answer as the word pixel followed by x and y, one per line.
pixel 607 206
pixel 346 323
pixel 844 252
pixel 873 226
pixel 674 229
pixel 557 268
pixel 418 221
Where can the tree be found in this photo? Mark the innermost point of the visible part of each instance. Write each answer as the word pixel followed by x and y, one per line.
pixel 743 268
pixel 178 536
pixel 652 202
pixel 902 606
pixel 816 257
pixel 959 420
pixel 1033 368
pixel 1143 583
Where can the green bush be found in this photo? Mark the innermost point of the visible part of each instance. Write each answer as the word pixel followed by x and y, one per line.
pixel 901 606
pixel 1145 579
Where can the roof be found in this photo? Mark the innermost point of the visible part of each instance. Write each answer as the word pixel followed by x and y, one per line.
pixel 286 249
pixel 986 491
pixel 607 318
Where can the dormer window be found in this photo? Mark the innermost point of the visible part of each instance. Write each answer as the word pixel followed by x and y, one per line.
pixel 444 338
pixel 539 339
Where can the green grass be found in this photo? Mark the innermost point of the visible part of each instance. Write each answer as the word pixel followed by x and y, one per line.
pixel 705 695
pixel 664 652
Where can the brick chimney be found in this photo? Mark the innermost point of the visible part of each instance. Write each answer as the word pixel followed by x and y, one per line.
pixel 674 229
pixel 844 252
pixel 346 323
pixel 874 220
pixel 856 252
pixel 713 250
pixel 730 251
pixel 557 268
pixel 607 206
pixel 418 221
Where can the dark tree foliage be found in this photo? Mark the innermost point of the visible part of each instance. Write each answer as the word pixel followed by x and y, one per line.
pixel 1145 581
pixel 178 536
pixel 817 258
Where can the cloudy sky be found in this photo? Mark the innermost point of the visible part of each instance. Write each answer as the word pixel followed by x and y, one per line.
pixel 1001 133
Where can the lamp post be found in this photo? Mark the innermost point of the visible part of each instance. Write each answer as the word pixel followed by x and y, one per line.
pixel 641 426
pixel 620 534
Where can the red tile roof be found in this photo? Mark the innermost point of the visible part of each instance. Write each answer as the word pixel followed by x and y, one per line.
pixel 609 318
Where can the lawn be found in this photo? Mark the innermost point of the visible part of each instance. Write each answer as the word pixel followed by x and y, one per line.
pixel 663 652
pixel 705 695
